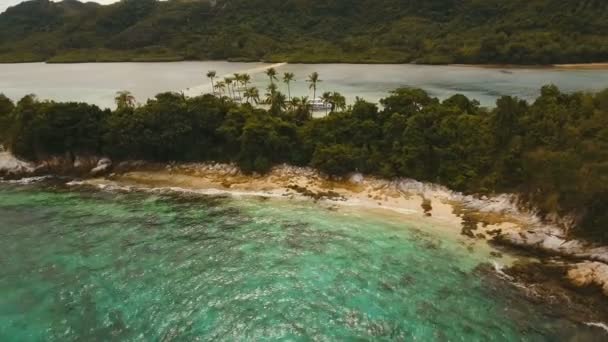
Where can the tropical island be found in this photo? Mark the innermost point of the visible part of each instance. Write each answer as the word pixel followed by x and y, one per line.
pixel 521 176
pixel 312 31
pixel 213 200
pixel 552 152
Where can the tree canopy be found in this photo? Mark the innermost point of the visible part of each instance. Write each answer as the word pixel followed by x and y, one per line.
pixel 552 151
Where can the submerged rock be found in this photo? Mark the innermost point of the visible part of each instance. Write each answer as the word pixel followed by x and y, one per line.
pixel 546 285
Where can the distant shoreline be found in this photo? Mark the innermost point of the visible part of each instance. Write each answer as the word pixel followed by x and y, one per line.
pixel 565 66
pixel 573 66
pixel 590 66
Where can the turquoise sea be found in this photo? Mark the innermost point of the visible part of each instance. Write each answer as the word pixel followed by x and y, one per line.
pixel 78 264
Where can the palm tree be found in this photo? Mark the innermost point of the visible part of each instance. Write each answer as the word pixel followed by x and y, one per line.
pixel 327 99
pixel 252 94
pixel 278 102
pixel 289 77
pixel 301 108
pixel 183 96
pixel 124 99
pixel 211 75
pixel 275 99
pixel 271 89
pixel 313 79
pixel 305 103
pixel 245 79
pixel 228 82
pixel 221 87
pixel 295 102
pixel 238 80
pixel 272 74
pixel 337 101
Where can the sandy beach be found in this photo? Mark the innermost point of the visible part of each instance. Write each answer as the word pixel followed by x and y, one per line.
pixel 450 211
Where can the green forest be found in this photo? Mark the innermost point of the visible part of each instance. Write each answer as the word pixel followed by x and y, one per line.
pixel 552 151
pixel 312 31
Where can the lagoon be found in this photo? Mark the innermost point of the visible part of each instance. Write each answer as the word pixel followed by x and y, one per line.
pixel 79 264
pixel 98 82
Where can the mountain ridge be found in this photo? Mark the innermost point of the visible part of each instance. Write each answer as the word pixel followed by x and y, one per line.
pixel 359 31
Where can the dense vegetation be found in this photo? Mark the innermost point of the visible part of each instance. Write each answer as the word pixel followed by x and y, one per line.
pixel 554 151
pixel 397 31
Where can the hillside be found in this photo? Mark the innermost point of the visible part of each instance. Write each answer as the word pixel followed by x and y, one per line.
pixel 393 31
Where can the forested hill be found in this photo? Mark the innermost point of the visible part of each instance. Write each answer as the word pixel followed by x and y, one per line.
pixel 423 31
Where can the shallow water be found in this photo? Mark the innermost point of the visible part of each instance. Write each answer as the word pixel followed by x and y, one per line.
pixel 98 82
pixel 80 264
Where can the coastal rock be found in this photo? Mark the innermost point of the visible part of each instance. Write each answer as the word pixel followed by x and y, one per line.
pixel 546 284
pixel 589 273
pixel 598 254
pixel 103 165
pixel 11 166
pixel 356 178
pixel 522 238
pixel 84 164
pixel 544 240
pixel 552 242
pixel 130 165
pixel 78 162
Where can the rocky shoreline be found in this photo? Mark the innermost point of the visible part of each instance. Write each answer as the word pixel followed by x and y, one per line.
pixel 499 220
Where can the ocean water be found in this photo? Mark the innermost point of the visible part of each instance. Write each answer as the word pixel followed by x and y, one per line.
pixel 79 264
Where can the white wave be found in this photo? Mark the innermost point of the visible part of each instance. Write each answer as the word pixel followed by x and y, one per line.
pixel 75 183
pixel 353 202
pixel 600 325
pixel 209 191
pixel 27 180
pixel 499 269
pixel 216 192
pixel 206 87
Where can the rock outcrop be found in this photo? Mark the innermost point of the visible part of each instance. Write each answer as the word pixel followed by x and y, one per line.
pixel 12 167
pixel 103 166
pixel 589 274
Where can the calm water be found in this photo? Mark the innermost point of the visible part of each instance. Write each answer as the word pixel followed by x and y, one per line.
pixel 84 265
pixel 98 83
